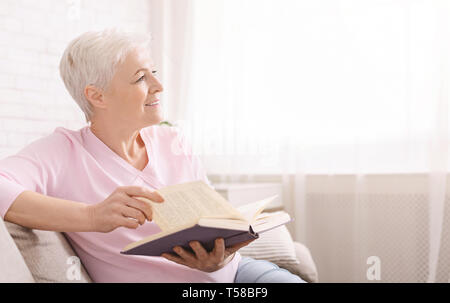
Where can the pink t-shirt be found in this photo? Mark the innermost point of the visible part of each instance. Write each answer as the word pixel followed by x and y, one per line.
pixel 78 166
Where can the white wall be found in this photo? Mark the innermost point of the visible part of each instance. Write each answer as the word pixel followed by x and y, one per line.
pixel 33 36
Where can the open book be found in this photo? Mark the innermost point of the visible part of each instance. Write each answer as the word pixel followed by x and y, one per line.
pixel 194 211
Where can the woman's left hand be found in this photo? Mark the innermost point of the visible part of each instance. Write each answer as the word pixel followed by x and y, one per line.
pixel 202 260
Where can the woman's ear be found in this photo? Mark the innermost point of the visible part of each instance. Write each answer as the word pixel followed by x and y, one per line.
pixel 95 96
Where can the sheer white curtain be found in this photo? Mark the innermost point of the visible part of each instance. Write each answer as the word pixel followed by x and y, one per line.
pixel 346 102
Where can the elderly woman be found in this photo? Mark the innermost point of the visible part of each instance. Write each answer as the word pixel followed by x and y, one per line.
pixel 85 182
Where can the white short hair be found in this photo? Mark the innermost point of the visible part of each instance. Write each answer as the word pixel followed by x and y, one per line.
pixel 91 59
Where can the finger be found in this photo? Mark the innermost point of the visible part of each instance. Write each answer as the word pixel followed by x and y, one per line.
pixel 199 250
pixel 131 212
pixel 174 258
pixel 219 249
pixel 143 192
pixel 232 249
pixel 185 255
pixel 144 207
pixel 129 223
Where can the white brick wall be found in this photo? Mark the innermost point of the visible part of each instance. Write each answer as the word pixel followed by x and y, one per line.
pixel 33 36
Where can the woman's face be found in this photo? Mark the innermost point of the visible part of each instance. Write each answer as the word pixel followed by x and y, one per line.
pixel 132 90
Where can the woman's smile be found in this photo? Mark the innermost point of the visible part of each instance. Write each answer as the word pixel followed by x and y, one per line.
pixel 154 103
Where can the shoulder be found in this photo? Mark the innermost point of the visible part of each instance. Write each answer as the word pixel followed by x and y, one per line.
pixel 168 137
pixel 163 134
pixel 59 143
pixel 161 131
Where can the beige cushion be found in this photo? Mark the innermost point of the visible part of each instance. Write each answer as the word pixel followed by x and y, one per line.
pixel 48 255
pixel 306 268
pixel 277 246
pixel 12 265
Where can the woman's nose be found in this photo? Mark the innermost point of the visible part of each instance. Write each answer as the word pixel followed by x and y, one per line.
pixel 154 86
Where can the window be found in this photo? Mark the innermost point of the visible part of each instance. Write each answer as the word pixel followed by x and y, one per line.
pixel 332 86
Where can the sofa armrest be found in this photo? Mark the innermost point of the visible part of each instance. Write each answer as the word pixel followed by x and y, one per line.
pixel 12 265
pixel 45 253
pixel 307 267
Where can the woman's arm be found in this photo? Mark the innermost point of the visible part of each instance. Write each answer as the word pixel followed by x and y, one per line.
pixel 38 211
pixel 34 210
pixel 27 177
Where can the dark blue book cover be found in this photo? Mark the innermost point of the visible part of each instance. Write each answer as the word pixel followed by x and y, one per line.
pixel 205 235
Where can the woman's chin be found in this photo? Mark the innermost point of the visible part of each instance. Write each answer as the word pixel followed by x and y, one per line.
pixel 155 119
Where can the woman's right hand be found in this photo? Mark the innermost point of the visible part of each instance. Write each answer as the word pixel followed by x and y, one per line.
pixel 121 209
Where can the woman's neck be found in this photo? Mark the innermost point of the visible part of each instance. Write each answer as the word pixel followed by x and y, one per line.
pixel 125 142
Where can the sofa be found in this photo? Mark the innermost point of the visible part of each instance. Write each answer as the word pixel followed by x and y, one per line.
pixel 30 255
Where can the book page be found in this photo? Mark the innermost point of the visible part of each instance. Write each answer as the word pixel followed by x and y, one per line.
pixel 267 221
pixel 188 202
pixel 224 223
pixel 251 210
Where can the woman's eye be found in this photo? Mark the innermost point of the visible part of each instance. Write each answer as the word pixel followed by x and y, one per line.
pixel 143 76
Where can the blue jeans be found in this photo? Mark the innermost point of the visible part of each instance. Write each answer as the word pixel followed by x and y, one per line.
pixel 261 271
